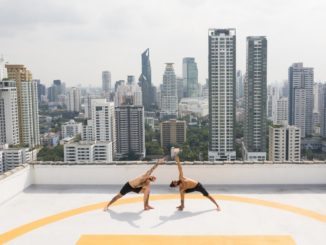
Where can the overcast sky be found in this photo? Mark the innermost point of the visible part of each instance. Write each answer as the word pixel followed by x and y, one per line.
pixel 74 40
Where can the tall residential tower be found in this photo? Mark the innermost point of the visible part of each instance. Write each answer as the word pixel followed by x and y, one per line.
pixel 301 81
pixel 255 92
pixel 222 88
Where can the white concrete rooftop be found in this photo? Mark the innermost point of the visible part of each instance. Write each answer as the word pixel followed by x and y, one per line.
pixel 59 205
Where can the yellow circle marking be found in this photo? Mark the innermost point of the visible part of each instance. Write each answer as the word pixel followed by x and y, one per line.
pixel 21 230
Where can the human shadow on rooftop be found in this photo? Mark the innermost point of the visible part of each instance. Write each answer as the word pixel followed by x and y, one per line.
pixel 177 215
pixel 129 217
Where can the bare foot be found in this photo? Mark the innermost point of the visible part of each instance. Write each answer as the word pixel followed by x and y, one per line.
pixel 218 208
pixel 146 208
pixel 150 207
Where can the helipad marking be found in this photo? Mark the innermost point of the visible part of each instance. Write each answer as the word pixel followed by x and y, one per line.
pixel 183 240
pixel 21 230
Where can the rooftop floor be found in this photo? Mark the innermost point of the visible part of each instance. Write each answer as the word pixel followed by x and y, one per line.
pixel 264 215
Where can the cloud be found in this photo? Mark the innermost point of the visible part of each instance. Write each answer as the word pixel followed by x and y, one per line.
pixel 24 16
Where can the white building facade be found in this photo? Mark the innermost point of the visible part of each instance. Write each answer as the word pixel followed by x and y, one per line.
pixel 71 129
pixel 85 151
pixel 282 111
pixel 284 143
pixel 73 99
pixel 30 114
pixel 222 88
pixel 9 128
pixel 169 93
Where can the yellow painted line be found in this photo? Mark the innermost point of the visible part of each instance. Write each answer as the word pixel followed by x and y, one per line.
pixel 183 240
pixel 21 230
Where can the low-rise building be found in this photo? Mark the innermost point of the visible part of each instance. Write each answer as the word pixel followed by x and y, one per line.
pixel 49 139
pixel 85 151
pixel 284 143
pixel 173 132
pixel 71 129
pixel 14 157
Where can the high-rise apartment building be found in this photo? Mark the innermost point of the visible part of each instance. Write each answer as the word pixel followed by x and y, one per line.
pixel 255 92
pixel 169 93
pixel 282 111
pixel 130 131
pixel 190 76
pixel 27 98
pixel 173 132
pixel 103 122
pixel 106 82
pixel 9 128
pixel 73 99
pixel 145 82
pixel 222 89
pixel 30 128
pixel 284 143
pixel 301 98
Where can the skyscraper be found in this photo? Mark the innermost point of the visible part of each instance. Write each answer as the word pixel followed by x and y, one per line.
pixel 130 121
pixel 145 82
pixel 27 95
pixel 130 131
pixel 255 92
pixel 190 76
pixel 301 98
pixel 30 133
pixel 73 99
pixel 222 88
pixel 106 82
pixel 9 129
pixel 169 93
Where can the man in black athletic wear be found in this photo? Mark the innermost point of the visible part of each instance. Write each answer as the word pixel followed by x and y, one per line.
pixel 187 185
pixel 140 184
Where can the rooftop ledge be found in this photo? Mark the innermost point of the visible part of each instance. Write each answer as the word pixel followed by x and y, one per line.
pixel 117 173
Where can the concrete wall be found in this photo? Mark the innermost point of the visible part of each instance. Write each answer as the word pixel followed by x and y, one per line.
pixel 15 181
pixel 231 174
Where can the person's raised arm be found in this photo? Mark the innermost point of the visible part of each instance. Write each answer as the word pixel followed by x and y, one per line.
pixel 150 171
pixel 179 167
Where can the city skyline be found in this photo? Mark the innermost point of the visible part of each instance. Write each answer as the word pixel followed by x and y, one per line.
pixel 52 30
